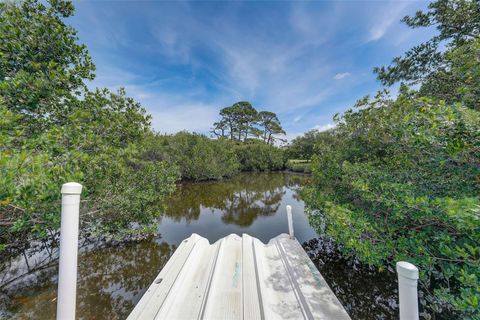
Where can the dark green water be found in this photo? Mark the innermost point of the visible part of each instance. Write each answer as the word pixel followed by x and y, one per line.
pixel 112 278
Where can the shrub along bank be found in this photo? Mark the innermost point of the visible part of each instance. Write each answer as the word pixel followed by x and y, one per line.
pixel 201 158
pixel 398 179
pixel 259 156
pixel 304 166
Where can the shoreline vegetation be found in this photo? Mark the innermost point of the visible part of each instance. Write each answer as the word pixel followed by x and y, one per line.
pixel 395 179
pixel 53 129
pixel 301 166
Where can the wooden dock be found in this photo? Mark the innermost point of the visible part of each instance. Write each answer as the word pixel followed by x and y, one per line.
pixel 239 278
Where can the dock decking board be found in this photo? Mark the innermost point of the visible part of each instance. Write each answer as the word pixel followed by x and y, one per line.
pixel 239 278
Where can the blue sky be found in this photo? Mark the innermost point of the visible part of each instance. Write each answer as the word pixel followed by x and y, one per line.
pixel 184 61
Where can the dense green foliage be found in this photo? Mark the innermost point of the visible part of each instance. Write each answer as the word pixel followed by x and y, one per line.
pixel 54 130
pixel 198 157
pixel 450 74
pixel 42 67
pixel 303 147
pixel 201 158
pixel 259 156
pixel 460 82
pixel 398 179
pixel 241 121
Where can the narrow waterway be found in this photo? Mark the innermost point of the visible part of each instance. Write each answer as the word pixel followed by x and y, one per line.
pixel 113 278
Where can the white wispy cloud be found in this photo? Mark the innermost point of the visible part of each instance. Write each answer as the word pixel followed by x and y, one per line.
pixel 170 112
pixel 379 30
pixel 184 62
pixel 171 118
pixel 342 75
pixel 292 135
pixel 321 127
pixel 308 27
pixel 324 127
pixel 389 16
pixel 282 76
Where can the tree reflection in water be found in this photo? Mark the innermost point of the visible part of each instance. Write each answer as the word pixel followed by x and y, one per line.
pixel 241 199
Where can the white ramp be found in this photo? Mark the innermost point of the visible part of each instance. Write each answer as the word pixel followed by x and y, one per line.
pixel 239 278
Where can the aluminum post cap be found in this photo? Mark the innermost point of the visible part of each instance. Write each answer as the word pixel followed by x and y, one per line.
pixel 407 270
pixel 71 188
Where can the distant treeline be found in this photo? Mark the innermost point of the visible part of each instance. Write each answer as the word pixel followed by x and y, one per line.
pixel 198 157
pixel 54 129
pixel 399 178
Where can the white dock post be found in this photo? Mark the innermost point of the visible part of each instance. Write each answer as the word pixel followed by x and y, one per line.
pixel 67 273
pixel 407 290
pixel 290 222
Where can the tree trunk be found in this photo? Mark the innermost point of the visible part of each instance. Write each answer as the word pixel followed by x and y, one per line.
pixel 231 131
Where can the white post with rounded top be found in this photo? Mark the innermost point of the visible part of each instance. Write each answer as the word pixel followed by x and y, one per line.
pixel 67 273
pixel 407 290
pixel 290 222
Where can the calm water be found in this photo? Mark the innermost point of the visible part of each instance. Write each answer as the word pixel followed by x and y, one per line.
pixel 113 278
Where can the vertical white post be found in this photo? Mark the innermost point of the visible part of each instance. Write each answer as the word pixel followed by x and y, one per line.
pixel 67 274
pixel 407 290
pixel 290 222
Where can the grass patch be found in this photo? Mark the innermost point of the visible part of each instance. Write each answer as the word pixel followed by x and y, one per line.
pixel 298 165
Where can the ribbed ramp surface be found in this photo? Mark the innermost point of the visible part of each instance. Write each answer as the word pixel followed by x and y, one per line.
pixel 239 278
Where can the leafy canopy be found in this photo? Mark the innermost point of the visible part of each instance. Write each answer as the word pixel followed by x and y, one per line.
pixel 442 64
pixel 42 65
pixel 397 179
pixel 241 121
pixel 53 130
